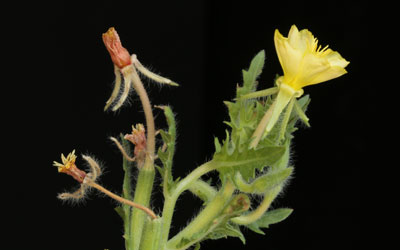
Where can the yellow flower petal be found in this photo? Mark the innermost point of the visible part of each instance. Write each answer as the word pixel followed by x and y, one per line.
pixel 304 62
pixel 288 56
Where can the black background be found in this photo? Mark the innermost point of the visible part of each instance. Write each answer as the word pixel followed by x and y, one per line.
pixel 203 45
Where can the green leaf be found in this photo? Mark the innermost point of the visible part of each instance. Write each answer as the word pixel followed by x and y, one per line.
pixel 226 230
pixel 120 211
pixel 197 247
pixel 169 139
pixel 250 76
pixel 217 145
pixel 231 160
pixel 270 217
pixel 263 183
pixel 127 167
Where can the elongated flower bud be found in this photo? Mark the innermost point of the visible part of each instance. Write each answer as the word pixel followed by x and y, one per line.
pixel 119 55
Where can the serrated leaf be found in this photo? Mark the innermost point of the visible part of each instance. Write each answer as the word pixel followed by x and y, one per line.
pixel 270 217
pixel 246 162
pixel 226 230
pixel 250 76
pixel 263 183
pixel 169 139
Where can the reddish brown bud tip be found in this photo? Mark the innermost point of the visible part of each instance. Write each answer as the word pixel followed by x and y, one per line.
pixel 119 55
pixel 138 138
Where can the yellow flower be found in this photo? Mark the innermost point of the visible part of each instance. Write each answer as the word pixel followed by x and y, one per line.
pixel 304 62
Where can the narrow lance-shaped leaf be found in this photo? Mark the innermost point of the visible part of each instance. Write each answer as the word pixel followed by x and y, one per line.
pixel 250 76
pixel 169 138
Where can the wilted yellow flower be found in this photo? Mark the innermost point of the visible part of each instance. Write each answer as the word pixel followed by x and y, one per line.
pixel 68 167
pixel 304 62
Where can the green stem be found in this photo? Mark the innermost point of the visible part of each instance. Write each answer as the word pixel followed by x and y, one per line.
pixel 151 235
pixel 204 219
pixel 170 201
pixel 203 190
pixel 150 127
pixel 260 210
pixel 142 196
pixel 126 193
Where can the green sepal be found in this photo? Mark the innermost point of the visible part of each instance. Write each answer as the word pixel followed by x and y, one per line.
pixel 263 183
pixel 300 107
pixel 270 217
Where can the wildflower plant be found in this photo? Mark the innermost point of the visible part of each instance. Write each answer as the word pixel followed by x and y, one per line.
pixel 253 160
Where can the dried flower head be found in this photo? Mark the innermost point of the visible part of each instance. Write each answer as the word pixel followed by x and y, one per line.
pixel 119 55
pixel 69 167
pixel 138 138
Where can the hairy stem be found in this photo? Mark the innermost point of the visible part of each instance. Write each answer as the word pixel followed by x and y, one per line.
pixel 203 190
pixel 205 218
pixel 148 112
pixel 170 201
pixel 122 150
pixel 148 211
pixel 144 186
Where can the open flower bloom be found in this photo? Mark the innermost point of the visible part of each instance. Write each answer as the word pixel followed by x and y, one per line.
pixel 304 63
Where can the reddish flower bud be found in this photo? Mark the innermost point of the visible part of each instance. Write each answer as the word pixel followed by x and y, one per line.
pixel 119 55
pixel 138 138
